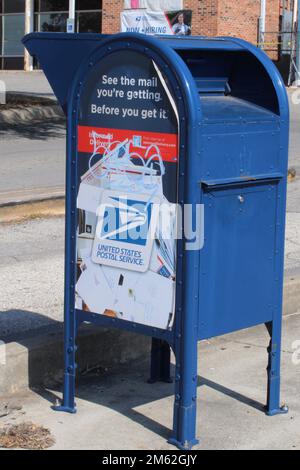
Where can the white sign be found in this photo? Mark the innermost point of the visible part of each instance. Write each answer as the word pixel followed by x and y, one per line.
pixel 154 5
pixel 71 25
pixel 2 353
pixel 126 230
pixel 143 22
pixel 157 22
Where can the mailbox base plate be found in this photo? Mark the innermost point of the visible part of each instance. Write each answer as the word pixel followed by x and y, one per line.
pixel 279 411
pixel 64 409
pixel 183 445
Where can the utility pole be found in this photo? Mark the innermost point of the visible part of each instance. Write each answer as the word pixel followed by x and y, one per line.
pixel 71 19
pixel 262 23
pixel 29 16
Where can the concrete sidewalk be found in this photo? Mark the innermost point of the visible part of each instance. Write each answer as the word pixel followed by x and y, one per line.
pixel 27 83
pixel 118 410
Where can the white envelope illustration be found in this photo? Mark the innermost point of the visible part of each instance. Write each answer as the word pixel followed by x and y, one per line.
pixel 94 290
pixel 149 300
pixel 89 197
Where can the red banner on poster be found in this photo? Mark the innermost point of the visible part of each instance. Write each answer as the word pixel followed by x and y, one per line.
pixel 97 140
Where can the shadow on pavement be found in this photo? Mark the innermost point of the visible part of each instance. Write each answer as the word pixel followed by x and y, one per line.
pixel 121 388
pixel 41 130
pixel 21 325
pixel 125 391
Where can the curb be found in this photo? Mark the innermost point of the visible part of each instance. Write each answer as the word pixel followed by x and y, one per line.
pixel 38 361
pixel 24 115
pixel 15 212
pixel 22 197
pixel 16 98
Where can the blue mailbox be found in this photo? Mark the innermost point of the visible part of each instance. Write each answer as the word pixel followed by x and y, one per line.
pixel 157 127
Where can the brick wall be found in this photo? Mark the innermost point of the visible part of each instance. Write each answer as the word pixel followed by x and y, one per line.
pixel 239 18
pixel 111 10
pixel 272 26
pixel 205 16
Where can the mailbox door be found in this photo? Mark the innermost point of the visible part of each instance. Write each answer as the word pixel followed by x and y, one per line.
pixel 237 263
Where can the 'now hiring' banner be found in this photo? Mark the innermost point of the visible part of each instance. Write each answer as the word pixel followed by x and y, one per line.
pixel 157 22
pixel 154 5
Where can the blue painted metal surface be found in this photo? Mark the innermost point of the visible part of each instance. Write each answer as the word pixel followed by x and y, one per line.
pixel 233 122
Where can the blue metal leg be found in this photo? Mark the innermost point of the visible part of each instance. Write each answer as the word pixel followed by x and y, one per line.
pixel 70 321
pixel 184 430
pixel 274 351
pixel 68 404
pixel 160 362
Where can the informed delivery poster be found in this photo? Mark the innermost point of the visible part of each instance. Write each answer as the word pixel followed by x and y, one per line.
pixel 127 192
pixel 178 23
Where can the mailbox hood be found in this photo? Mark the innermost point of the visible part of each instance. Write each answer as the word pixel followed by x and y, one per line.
pixel 59 55
pixel 220 66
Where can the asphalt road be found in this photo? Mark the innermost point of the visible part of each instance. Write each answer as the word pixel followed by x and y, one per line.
pixel 32 156
pixel 31 276
pixel 294 155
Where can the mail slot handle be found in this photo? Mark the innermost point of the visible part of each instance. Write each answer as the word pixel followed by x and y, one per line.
pixel 241 181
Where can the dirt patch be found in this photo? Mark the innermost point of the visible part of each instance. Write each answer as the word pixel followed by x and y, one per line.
pixel 22 212
pixel 292 173
pixel 26 436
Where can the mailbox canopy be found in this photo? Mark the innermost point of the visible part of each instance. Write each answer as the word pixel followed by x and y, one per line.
pixel 215 63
